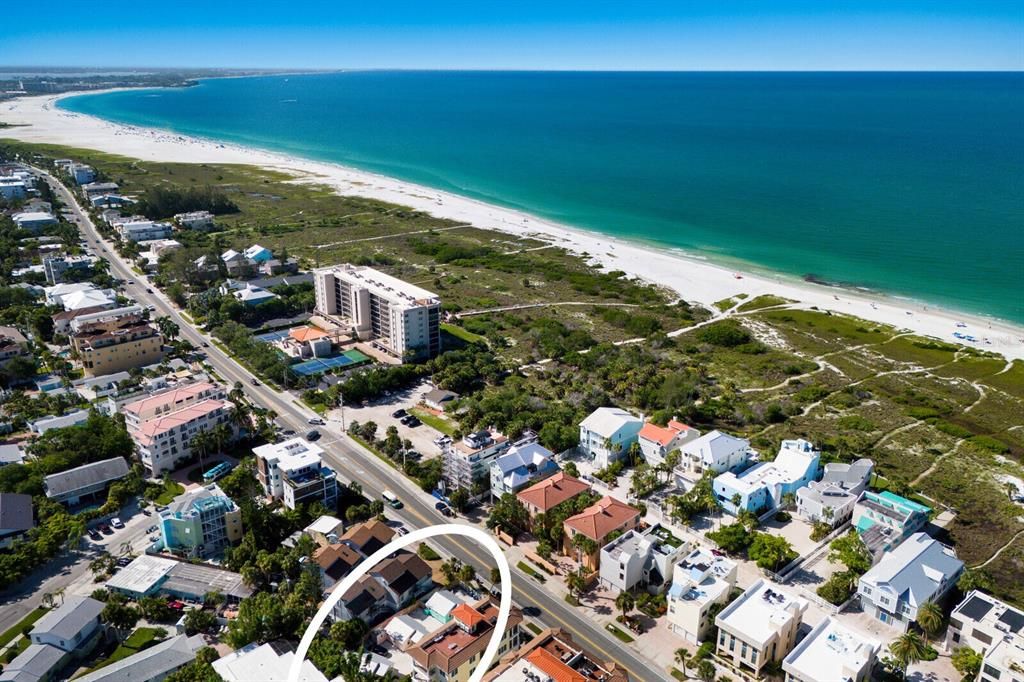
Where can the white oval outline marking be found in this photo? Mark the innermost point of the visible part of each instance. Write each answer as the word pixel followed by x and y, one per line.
pixel 418 535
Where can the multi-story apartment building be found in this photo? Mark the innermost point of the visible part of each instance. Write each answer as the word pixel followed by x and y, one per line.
pixel 195 220
pixel 293 471
pixel 760 626
pixel 451 653
pixel 699 581
pixel 400 319
pixel 885 519
pixel 56 267
pixel 164 402
pixel 607 434
pixel 831 652
pixel 993 629
pixel 466 463
pixel 918 571
pixel 201 522
pixel 163 425
pixel 143 230
pixel 553 655
pixel 114 343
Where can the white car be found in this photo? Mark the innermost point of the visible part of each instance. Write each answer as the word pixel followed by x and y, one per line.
pixel 116 522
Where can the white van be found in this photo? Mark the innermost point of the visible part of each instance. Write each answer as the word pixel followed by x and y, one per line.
pixel 391 499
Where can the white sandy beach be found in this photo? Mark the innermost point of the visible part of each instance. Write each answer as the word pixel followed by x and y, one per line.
pixel 694 279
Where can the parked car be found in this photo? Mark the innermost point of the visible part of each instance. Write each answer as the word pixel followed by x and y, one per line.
pixel 94 535
pixel 445 509
pixel 124 561
pixel 116 522
pixel 413 422
pixel 105 529
pixel 152 529
pixel 399 413
pixel 154 538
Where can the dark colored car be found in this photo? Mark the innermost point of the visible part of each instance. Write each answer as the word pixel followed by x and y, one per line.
pixel 148 290
pixel 313 435
pixel 398 414
pixel 413 422
pixel 254 382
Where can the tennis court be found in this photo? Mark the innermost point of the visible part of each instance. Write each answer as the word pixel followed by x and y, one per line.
pixel 270 337
pixel 349 358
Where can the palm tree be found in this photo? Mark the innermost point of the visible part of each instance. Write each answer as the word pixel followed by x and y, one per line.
pixel 907 650
pixel 201 442
pixel 929 617
pixel 706 671
pixel 240 416
pixel 576 584
pixel 625 602
pixel 683 657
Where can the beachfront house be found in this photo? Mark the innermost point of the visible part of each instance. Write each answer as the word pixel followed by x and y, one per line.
pixel 831 500
pixel 918 571
pixel 711 454
pixel 765 486
pixel 884 520
pixel 607 434
pixel 657 441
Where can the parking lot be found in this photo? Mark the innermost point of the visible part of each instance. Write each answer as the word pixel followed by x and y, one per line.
pixel 422 437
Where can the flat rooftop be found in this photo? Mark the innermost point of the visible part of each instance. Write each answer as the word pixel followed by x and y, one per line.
pixel 761 611
pixel 830 652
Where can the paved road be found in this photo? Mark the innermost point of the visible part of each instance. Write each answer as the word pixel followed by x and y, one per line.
pixel 354 463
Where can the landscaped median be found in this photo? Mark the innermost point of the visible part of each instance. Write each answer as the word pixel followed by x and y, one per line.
pixel 619 634
pixel 529 570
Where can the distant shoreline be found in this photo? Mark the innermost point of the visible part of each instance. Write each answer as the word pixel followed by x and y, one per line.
pixel 693 277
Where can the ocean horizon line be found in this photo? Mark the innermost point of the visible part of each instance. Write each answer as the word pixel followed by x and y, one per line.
pixel 511 200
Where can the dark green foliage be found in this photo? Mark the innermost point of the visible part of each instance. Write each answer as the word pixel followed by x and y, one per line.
pixel 726 333
pixel 162 201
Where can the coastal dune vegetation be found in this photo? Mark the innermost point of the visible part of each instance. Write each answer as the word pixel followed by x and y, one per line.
pixel 538 337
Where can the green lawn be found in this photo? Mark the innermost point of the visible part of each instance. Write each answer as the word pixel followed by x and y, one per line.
pixel 460 333
pixel 171 490
pixel 142 638
pixel 15 630
pixel 528 570
pixel 434 421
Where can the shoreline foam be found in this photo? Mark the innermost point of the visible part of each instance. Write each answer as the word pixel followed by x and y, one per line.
pixel 693 277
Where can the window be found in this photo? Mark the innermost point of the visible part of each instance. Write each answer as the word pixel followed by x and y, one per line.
pixel 990 671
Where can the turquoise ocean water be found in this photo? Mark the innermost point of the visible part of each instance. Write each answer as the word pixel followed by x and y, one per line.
pixel 909 184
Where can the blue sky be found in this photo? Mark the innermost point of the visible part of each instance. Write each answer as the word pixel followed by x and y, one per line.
pixel 523 34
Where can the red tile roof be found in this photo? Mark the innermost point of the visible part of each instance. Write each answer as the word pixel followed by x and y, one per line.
pixel 549 664
pixel 467 615
pixel 663 435
pixel 601 518
pixel 553 491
